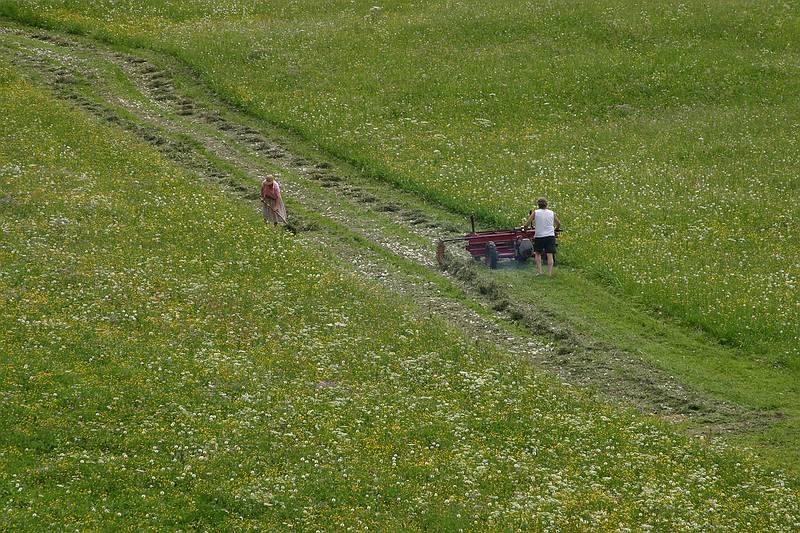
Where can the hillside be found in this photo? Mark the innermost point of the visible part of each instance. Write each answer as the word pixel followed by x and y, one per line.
pixel 167 363
pixel 656 131
pixel 168 360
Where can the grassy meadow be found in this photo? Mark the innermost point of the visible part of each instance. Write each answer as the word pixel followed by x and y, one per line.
pixel 665 134
pixel 170 363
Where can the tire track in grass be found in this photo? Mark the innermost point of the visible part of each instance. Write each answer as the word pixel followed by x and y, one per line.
pixel 384 234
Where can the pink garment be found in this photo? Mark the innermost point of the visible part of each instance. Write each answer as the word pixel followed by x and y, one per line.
pixel 274 209
pixel 273 192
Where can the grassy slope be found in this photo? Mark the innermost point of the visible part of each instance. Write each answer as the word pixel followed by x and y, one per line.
pixel 698 361
pixel 167 363
pixel 718 370
pixel 654 129
pixel 723 372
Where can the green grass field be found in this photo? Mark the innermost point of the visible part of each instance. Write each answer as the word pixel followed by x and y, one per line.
pixel 168 365
pixel 665 134
pixel 166 362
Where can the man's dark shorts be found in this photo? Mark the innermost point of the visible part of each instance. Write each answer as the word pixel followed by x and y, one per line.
pixel 545 244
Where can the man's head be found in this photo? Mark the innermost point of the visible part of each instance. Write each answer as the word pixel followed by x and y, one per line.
pixel 542 202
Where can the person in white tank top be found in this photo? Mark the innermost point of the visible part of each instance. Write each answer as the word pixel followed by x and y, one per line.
pixel 545 224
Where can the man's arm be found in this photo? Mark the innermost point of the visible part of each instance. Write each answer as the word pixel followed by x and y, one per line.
pixel 530 219
pixel 558 222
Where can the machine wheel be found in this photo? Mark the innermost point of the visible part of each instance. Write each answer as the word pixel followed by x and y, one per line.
pixel 524 250
pixel 491 255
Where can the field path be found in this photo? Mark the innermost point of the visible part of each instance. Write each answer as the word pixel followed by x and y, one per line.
pixel 384 233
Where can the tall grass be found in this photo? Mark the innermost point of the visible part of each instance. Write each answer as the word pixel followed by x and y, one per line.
pixel 170 363
pixel 665 134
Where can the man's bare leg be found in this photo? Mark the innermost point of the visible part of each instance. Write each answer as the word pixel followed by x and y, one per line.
pixel 549 264
pixel 538 257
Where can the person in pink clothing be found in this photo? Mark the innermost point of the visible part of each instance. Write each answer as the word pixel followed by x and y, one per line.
pixel 274 209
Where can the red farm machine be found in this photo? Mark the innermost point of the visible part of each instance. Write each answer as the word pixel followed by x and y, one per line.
pixel 491 246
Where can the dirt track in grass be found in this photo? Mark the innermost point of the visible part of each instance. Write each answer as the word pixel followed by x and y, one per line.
pixel 381 232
